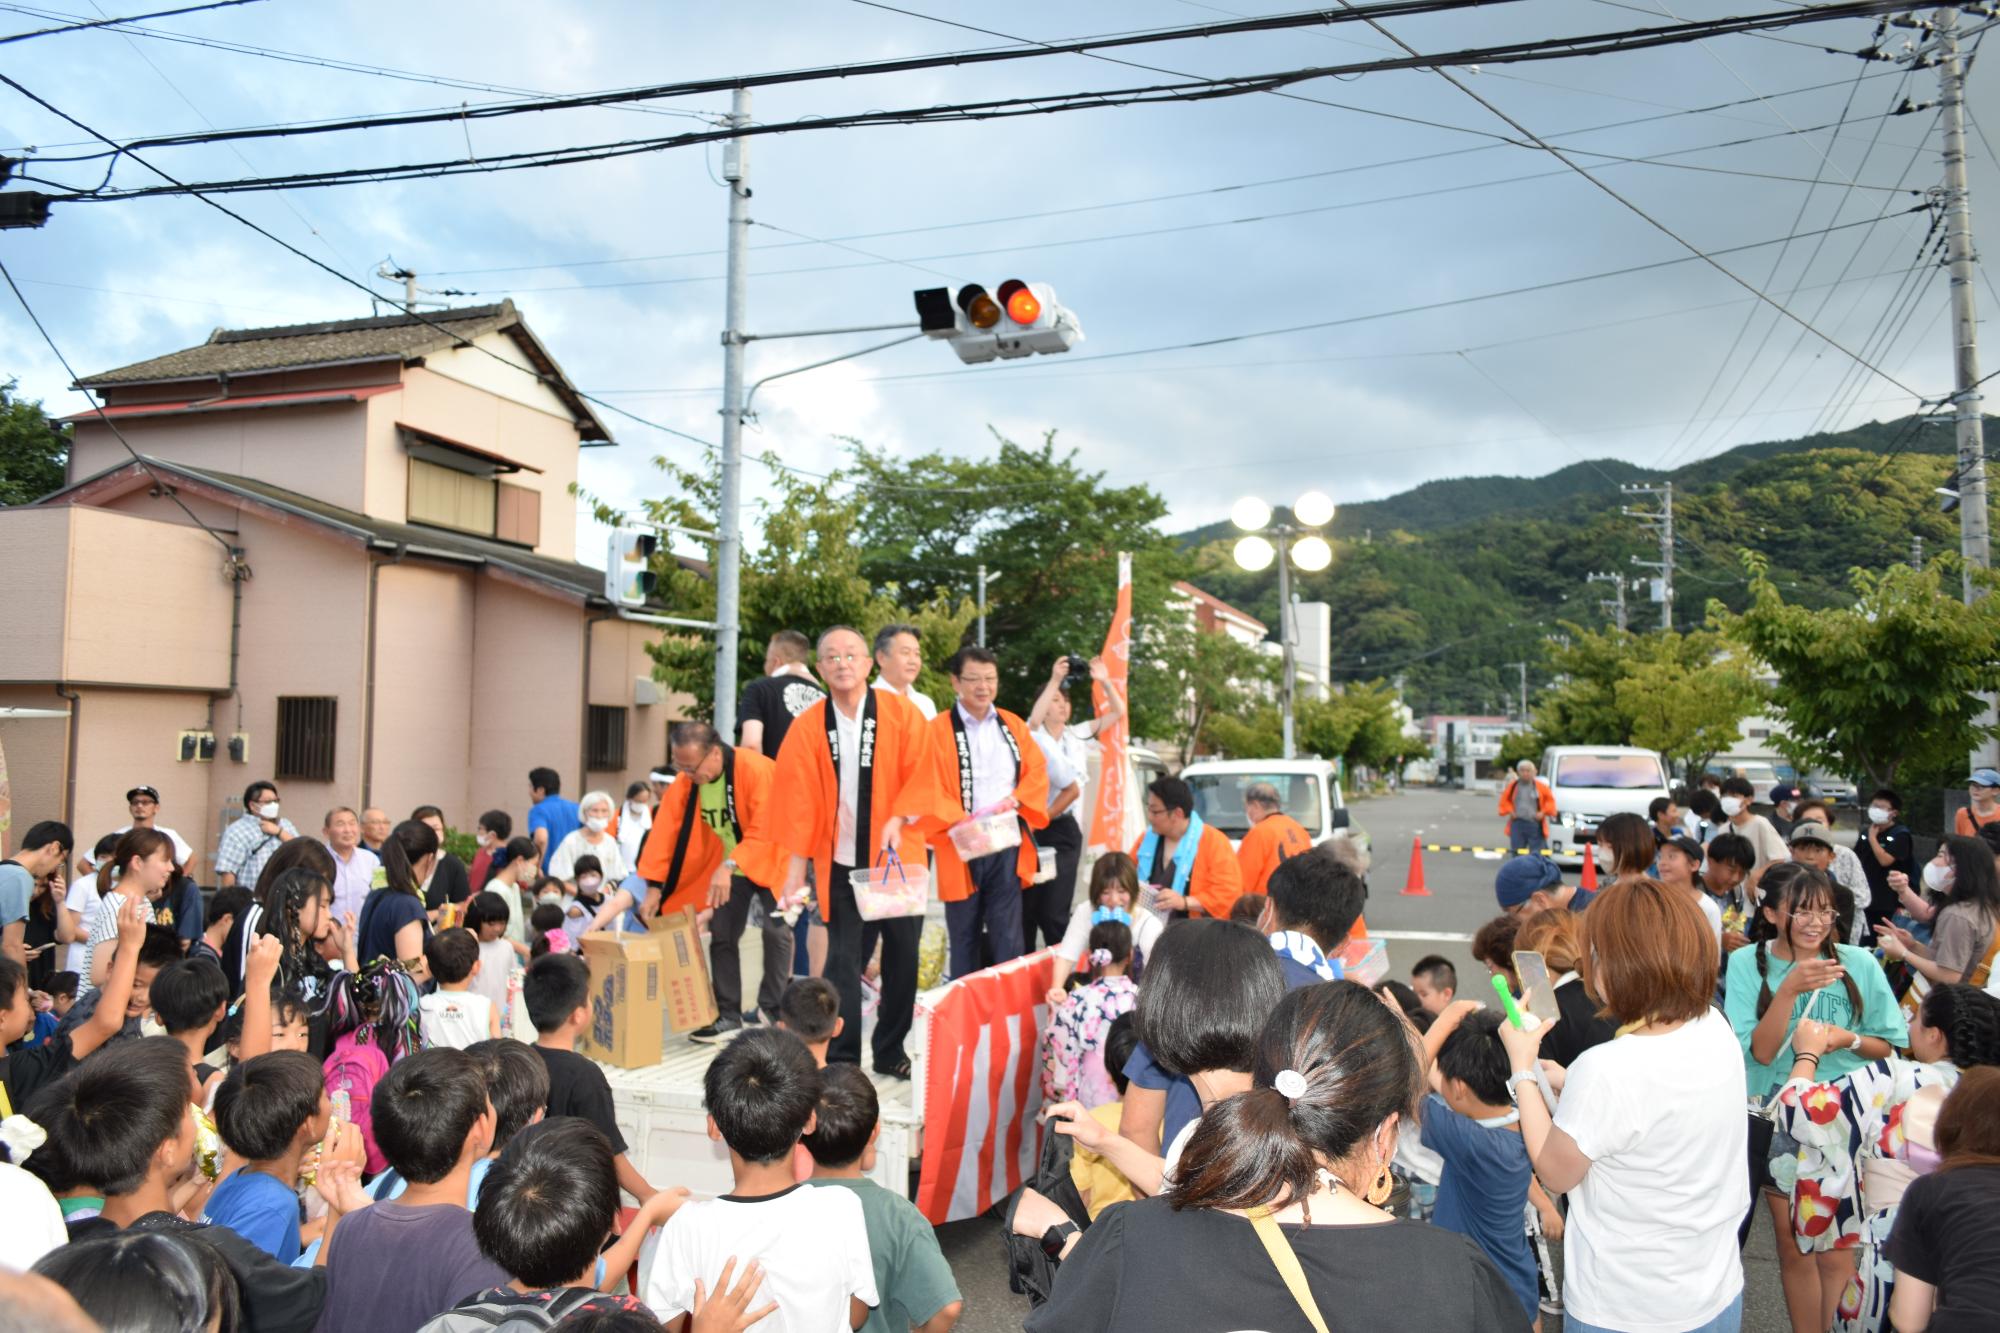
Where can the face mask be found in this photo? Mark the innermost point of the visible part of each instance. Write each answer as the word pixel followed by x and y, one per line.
pixel 597 825
pixel 1732 806
pixel 487 839
pixel 1937 878
pixel 268 810
pixel 548 897
pixel 587 883
pixel 1877 815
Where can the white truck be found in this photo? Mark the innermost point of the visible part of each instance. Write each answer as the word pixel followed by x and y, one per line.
pixel 1593 782
pixel 1308 790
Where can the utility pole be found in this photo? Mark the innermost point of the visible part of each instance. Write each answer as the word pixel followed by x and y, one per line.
pixel 1916 552
pixel 1288 680
pixel 1966 398
pixel 1524 686
pixel 729 523
pixel 1617 607
pixel 1662 523
pixel 980 637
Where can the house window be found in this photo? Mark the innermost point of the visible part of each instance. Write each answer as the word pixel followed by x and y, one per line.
pixel 305 737
pixel 604 750
pixel 517 515
pixel 448 498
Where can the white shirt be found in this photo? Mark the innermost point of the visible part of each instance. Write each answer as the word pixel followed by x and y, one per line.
pixel 1651 1243
pixel 918 699
pixel 1709 909
pixel 455 1018
pixel 992 761
pixel 577 843
pixel 103 931
pixel 813 1244
pixel 849 730
pixel 183 854
pixel 34 1220
pixel 1069 762
pixel 81 900
pixel 634 822
pixel 1146 930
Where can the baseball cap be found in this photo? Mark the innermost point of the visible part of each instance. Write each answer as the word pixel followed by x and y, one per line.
pixel 1784 791
pixel 137 792
pixel 1521 877
pixel 1810 832
pixel 1687 847
pixel 1984 777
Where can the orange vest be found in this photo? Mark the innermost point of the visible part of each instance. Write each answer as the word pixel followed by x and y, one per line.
pixel 1215 880
pixel 1270 841
pixel 1546 803
pixel 902 780
pixel 1031 794
pixel 678 824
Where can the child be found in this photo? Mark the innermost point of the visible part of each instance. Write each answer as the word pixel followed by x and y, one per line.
pixel 224 910
pixel 395 1265
pixel 1470 1121
pixel 495 827
pixel 62 993
pixel 1114 884
pixel 1073 1067
pixel 545 919
pixel 1248 909
pixel 486 918
pixel 514 884
pixel 271 1111
pixel 557 991
pixel 25 1072
pixel 125 1127
pixel 548 1210
pixel 810 1010
pixel 911 1275
pixel 1098 1183
pixel 760 1092
pixel 189 997
pixel 1435 981
pixel 372 1020
pixel 517 1087
pixel 455 1015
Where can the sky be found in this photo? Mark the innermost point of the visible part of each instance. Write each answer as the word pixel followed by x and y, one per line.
pixel 1159 226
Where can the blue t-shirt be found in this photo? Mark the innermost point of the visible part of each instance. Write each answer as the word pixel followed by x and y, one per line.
pixel 557 814
pixel 258 1208
pixel 17 890
pixel 1483 1193
pixel 1183 1105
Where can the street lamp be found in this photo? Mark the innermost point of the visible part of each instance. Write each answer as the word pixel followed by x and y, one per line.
pixel 1309 552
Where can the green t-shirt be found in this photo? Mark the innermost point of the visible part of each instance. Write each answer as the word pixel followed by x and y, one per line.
pixel 1880 1016
pixel 716 816
pixel 911 1275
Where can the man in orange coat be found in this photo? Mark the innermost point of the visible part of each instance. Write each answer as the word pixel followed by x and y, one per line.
pixel 707 851
pixel 856 779
pixel 1274 837
pixel 1526 807
pixel 1188 863
pixel 989 764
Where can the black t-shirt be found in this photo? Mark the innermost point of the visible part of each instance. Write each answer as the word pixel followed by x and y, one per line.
pixel 1580 1028
pixel 277 1298
pixel 775 701
pixel 27 1070
pixel 1143 1267
pixel 578 1087
pixel 449 883
pixel 1896 841
pixel 41 930
pixel 1948 1234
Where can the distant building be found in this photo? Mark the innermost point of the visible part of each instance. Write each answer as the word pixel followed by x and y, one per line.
pixel 1212 615
pixel 1467 746
pixel 404 620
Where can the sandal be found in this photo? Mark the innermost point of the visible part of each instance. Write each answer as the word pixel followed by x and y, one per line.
pixel 900 1069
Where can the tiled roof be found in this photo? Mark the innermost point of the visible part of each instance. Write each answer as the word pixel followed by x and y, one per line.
pixel 345 342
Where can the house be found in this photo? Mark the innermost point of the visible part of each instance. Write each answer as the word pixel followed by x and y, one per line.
pixel 338 555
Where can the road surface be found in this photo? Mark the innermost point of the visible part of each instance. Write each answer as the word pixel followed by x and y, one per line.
pixel 1461 897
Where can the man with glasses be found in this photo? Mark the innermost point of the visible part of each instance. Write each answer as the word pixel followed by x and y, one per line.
pixel 856 780
pixel 251 837
pixel 989 764
pixel 1188 866
pixel 705 852
pixel 143 804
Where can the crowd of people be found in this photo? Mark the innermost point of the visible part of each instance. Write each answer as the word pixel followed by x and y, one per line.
pixel 342 1089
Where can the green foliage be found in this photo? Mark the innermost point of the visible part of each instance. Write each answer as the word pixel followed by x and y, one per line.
pixel 463 845
pixel 1888 684
pixel 1516 746
pixel 1689 713
pixel 1684 695
pixel 1220 679
pixel 33 450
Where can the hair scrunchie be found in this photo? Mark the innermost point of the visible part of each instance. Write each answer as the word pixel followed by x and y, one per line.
pixel 1100 957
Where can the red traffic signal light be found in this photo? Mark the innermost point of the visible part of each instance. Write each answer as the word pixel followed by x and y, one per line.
pixel 1021 303
pixel 981 310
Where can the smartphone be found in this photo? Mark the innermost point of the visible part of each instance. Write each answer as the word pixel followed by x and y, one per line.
pixel 1538 993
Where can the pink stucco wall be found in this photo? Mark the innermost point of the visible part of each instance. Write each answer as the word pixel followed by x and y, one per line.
pixel 314 450
pixel 423 695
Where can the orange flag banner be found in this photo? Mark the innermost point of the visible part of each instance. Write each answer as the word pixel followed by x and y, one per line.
pixel 1108 820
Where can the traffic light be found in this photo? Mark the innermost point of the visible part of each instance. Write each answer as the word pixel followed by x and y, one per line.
pixel 1015 319
pixel 628 570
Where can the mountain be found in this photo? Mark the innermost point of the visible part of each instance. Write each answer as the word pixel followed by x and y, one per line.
pixel 1447 585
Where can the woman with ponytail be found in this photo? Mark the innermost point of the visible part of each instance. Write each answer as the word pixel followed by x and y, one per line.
pixel 1852 1153
pixel 393 922
pixel 1073 1047
pixel 1281 1188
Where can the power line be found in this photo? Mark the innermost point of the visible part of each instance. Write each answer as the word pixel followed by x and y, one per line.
pixel 134 18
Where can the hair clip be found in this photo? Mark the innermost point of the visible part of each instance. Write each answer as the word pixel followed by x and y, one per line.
pixel 1290 1083
pixel 1103 914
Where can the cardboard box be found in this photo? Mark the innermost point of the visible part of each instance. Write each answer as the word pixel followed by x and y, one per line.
pixel 690 996
pixel 626 981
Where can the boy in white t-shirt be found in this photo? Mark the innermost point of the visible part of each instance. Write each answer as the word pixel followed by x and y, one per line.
pixel 812 1243
pixel 455 1015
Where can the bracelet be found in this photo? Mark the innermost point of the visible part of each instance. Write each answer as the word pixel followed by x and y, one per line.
pixel 1807 1055
pixel 1523 1075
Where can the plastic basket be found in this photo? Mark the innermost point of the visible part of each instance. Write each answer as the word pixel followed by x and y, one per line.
pixel 1364 960
pixel 1047 872
pixel 986 835
pixel 891 890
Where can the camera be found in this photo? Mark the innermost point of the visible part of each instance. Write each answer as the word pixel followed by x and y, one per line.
pixel 1079 671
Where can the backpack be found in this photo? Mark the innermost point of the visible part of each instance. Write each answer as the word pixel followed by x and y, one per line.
pixel 355 1067
pixel 1030 1271
pixel 524 1312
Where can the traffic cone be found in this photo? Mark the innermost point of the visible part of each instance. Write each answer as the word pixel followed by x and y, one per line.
pixel 1589 880
pixel 1415 888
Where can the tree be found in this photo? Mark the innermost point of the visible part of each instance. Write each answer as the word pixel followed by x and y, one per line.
pixel 34 452
pixel 1689 714
pixel 1223 677
pixel 1684 695
pixel 1887 685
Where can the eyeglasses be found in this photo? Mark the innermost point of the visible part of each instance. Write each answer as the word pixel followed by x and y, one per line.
pixel 1822 915
pixel 840 659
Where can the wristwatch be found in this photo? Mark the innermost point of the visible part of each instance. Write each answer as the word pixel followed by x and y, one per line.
pixel 1520 1076
pixel 1056 1237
